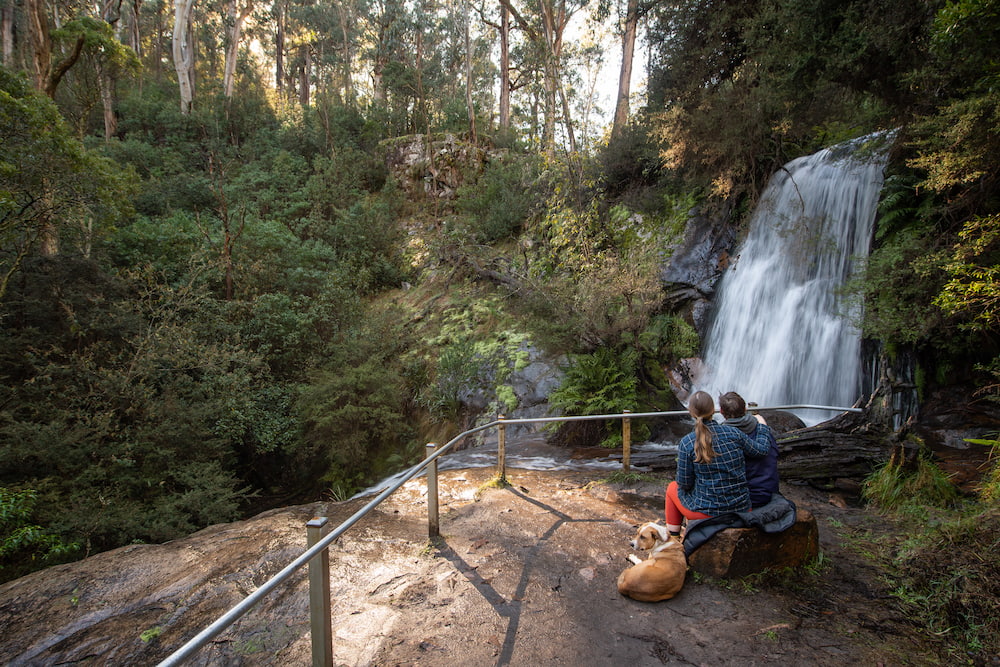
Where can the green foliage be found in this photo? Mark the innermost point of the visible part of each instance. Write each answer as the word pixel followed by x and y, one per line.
pixel 901 278
pixel 669 338
pixel 132 416
pixel 354 418
pixel 973 270
pixel 475 358
pixel 600 383
pixel 893 487
pixel 989 486
pixel 739 88
pixel 52 191
pixel 368 243
pixel 500 200
pixel 23 545
pixel 945 578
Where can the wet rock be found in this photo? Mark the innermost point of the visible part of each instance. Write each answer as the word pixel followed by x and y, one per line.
pixel 697 263
pixel 951 416
pixel 781 421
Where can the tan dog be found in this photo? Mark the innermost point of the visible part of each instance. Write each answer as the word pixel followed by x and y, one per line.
pixel 661 575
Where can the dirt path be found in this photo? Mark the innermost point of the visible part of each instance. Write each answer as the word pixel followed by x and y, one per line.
pixel 526 576
pixel 523 575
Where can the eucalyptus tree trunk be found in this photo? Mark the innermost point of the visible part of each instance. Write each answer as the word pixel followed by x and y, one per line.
pixel 184 53
pixel 347 51
pixel 555 18
pixel 504 67
pixel 7 33
pixel 237 16
pixel 108 81
pixel 279 46
pixel 470 107
pixel 625 76
pixel 134 35
pixel 40 41
pixel 304 72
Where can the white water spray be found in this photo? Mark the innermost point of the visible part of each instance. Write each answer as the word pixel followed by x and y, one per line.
pixel 782 332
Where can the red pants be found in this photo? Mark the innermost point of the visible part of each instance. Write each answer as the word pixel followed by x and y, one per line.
pixel 675 510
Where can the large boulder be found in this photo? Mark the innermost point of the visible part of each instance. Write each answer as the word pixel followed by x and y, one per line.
pixel 737 552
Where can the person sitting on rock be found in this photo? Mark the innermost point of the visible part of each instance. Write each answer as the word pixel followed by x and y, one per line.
pixel 762 471
pixel 711 467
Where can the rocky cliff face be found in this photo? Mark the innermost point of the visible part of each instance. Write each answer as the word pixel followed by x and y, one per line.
pixel 696 264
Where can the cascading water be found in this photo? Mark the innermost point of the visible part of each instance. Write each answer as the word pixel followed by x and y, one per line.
pixel 782 332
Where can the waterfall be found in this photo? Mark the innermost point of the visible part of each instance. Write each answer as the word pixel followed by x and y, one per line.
pixel 782 332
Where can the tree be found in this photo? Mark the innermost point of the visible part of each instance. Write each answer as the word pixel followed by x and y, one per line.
pixel 546 31
pixel 628 28
pixel 236 15
pixel 49 184
pixel 183 51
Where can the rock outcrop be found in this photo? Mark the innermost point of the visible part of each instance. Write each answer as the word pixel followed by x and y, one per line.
pixel 696 264
pixel 432 166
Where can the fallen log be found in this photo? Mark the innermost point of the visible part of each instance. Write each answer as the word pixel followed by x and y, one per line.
pixel 847 446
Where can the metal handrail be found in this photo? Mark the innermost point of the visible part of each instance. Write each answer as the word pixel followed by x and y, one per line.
pixel 241 608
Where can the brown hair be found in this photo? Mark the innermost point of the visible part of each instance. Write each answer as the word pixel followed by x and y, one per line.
pixel 732 405
pixel 701 408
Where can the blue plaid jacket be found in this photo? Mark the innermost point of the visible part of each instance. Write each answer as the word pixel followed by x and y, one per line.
pixel 720 486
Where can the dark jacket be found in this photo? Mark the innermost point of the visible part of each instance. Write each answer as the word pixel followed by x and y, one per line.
pixel 774 517
pixel 762 473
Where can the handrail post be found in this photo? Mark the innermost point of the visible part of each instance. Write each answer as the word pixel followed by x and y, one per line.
pixel 501 449
pixel 320 618
pixel 626 441
pixel 433 519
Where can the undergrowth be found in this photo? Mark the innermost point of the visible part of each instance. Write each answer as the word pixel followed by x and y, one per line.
pixel 945 573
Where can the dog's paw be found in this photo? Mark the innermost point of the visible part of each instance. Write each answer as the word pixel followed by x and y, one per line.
pixel 632 558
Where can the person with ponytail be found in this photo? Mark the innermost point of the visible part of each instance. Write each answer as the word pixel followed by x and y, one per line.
pixel 711 470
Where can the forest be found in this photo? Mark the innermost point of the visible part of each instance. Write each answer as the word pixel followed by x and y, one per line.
pixel 214 299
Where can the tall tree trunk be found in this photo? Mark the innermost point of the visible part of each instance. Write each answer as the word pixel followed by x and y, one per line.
pixel 237 17
pixel 625 76
pixel 107 80
pixel 158 43
pixel 504 67
pixel 555 18
pixel 470 107
pixel 423 122
pixel 134 35
pixel 347 49
pixel 304 78
pixel 7 33
pixel 184 53
pixel 279 46
pixel 567 120
pixel 108 103
pixel 378 85
pixel 40 40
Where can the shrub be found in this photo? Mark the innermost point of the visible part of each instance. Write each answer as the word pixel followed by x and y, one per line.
pixel 600 383
pixel 500 201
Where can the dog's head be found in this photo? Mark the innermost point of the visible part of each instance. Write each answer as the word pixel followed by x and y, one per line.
pixel 649 535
